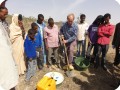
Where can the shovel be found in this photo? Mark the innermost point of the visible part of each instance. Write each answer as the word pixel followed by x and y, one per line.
pixel 68 70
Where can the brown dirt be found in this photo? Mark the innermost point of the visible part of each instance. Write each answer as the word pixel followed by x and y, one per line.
pixel 91 79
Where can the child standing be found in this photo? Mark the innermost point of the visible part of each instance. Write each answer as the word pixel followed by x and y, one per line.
pixel 92 38
pixel 38 45
pixel 81 36
pixel 52 42
pixel 30 51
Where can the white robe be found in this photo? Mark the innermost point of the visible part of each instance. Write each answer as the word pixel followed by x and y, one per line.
pixel 8 70
pixel 17 44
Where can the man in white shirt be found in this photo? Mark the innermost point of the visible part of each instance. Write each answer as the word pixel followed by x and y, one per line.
pixel 81 35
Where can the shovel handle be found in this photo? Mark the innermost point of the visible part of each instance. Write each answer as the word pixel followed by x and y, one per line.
pixel 65 50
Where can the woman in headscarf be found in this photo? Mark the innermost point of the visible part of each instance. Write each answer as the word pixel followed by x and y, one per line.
pixel 16 37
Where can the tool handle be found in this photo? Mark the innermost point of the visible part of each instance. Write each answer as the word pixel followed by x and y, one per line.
pixel 65 50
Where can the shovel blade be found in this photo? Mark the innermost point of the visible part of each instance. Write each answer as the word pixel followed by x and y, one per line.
pixel 69 73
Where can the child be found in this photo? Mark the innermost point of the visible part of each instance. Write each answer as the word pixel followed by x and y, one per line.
pixel 38 42
pixel 81 36
pixel 30 50
pixel 52 42
pixel 92 38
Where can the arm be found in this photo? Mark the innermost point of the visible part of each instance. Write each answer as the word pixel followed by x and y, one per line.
pixel 26 48
pixel 110 32
pixel 40 39
pixel 89 29
pixel 74 35
pixel 86 30
pixel 45 38
pixel 100 32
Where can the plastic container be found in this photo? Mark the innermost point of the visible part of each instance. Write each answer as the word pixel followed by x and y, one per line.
pixel 81 63
pixel 46 83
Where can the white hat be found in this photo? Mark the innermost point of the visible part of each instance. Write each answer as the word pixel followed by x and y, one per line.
pixel 118 88
pixel 1 1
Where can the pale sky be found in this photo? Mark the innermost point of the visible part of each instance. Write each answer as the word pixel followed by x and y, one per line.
pixel 58 9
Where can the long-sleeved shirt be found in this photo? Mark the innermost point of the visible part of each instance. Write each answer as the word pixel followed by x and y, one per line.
pixel 93 33
pixel 69 32
pixel 104 33
pixel 29 47
pixel 38 40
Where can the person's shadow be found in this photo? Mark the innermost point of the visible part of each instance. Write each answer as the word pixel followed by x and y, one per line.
pixel 98 79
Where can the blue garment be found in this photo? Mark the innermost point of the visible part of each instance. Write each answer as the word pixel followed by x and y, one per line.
pixel 40 29
pixel 29 47
pixel 69 32
pixel 38 40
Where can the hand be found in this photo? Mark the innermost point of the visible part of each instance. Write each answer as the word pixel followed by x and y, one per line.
pixel 41 49
pixel 64 41
pixel 113 46
pixel 47 47
pixel 21 25
pixel 90 42
pixel 30 59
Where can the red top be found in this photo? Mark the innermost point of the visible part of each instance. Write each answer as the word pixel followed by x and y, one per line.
pixel 104 33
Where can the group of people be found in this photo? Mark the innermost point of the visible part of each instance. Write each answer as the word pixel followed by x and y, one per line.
pixel 42 41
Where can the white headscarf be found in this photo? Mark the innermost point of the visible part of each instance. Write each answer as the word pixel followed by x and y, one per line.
pixel 15 30
pixel 1 1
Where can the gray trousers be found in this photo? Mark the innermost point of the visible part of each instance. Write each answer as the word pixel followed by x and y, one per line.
pixel 32 67
pixel 83 43
pixel 53 50
pixel 40 58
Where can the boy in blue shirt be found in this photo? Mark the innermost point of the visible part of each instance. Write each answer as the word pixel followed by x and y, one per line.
pixel 30 51
pixel 38 45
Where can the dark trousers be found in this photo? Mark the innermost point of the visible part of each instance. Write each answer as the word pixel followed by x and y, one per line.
pixel 101 49
pixel 117 56
pixel 95 50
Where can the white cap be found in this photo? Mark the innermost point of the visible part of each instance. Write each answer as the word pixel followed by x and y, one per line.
pixel 1 1
pixel 118 88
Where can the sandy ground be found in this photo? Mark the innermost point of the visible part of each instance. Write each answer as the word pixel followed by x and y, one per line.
pixel 90 79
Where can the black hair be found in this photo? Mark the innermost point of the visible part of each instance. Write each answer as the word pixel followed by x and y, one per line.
pixel 40 16
pixel 1 8
pixel 107 15
pixel 50 20
pixel 33 25
pixel 98 19
pixel 20 17
pixel 82 15
pixel 31 32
